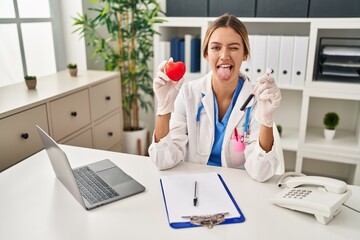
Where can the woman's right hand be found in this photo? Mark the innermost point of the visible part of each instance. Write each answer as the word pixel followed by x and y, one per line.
pixel 165 90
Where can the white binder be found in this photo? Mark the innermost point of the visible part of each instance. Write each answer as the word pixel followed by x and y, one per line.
pixel 246 66
pixel 164 51
pixel 300 56
pixel 259 51
pixel 286 60
pixel 187 39
pixel 273 54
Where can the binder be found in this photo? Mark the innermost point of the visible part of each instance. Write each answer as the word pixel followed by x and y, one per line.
pixel 195 55
pixel 246 66
pixel 187 39
pixel 273 54
pixel 286 60
pixel 182 51
pixel 300 57
pixel 164 51
pixel 215 200
pixel 259 52
pixel 175 48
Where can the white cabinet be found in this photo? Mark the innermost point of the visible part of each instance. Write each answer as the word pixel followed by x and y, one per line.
pixel 82 111
pixel 305 98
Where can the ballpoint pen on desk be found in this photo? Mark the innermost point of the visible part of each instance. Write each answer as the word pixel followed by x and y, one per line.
pixel 195 200
pixel 252 94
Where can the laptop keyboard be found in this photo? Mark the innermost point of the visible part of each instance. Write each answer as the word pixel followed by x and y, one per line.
pixel 92 187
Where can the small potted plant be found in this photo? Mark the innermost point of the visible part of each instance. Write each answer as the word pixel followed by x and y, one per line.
pixel 30 81
pixel 279 128
pixel 72 69
pixel 331 120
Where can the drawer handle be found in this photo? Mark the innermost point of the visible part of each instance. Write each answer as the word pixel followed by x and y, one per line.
pixel 107 98
pixel 25 136
pixel 110 134
pixel 74 113
pixel 298 73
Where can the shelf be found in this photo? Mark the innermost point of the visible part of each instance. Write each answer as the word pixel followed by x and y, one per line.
pixel 290 139
pixel 345 143
pixel 192 76
pixel 303 106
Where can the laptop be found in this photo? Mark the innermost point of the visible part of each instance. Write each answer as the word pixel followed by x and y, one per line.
pixel 91 185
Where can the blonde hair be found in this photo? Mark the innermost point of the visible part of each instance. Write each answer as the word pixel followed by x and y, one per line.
pixel 233 22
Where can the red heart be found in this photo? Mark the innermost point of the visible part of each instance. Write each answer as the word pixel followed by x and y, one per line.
pixel 175 70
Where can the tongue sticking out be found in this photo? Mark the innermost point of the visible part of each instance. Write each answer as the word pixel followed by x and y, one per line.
pixel 224 73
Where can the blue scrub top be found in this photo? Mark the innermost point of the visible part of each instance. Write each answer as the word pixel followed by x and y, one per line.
pixel 215 156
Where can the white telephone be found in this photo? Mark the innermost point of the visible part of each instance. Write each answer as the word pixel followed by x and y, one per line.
pixel 316 195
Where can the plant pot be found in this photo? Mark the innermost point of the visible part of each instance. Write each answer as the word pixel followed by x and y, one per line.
pixel 135 142
pixel 31 84
pixel 73 72
pixel 329 134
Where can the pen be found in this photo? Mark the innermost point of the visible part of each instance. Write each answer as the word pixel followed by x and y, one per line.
pixel 236 134
pixel 252 94
pixel 195 194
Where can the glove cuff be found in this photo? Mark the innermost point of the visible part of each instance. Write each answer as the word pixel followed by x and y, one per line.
pixel 167 108
pixel 269 121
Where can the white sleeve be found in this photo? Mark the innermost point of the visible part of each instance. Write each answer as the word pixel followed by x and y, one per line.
pixel 260 165
pixel 160 153
pixel 170 150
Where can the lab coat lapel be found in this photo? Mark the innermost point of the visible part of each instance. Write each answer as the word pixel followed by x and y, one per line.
pixel 236 113
pixel 206 89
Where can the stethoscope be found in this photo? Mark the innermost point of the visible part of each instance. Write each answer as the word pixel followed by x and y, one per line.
pixel 244 139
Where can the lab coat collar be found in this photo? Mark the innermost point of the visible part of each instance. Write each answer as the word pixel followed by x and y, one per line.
pixel 204 87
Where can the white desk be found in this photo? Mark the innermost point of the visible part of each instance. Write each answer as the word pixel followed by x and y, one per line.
pixel 35 205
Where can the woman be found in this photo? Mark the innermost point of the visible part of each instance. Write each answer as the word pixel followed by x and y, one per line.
pixel 202 122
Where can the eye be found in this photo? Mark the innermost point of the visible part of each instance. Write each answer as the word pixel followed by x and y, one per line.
pixel 217 48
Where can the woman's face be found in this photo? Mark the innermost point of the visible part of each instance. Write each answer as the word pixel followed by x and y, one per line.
pixel 225 54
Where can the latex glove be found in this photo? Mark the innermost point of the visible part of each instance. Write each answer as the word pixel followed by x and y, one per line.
pixel 269 98
pixel 165 90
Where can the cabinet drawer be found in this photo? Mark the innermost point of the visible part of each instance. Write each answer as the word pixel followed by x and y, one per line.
pixel 70 113
pixel 81 140
pixel 19 137
pixel 108 132
pixel 104 98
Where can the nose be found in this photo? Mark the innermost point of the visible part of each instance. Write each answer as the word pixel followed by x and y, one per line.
pixel 225 54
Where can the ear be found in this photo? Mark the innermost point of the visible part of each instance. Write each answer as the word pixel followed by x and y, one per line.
pixel 206 57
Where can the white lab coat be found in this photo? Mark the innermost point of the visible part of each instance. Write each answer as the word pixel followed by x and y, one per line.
pixel 192 141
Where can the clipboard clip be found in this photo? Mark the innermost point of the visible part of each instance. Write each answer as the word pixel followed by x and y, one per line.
pixel 207 220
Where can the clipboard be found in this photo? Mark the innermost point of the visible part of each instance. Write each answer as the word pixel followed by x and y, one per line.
pixel 216 205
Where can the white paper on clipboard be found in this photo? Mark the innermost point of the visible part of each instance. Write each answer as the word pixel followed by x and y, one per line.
pixel 213 198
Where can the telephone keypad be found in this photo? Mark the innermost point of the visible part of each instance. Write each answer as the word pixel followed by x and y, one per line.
pixel 297 193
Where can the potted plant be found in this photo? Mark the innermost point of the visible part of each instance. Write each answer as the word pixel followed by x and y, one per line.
pixel 127 46
pixel 30 81
pixel 72 69
pixel 331 120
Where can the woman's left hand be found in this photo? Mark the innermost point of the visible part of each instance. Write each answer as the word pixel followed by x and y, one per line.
pixel 269 98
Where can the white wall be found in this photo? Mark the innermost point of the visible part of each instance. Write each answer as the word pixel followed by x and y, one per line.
pixel 76 50
pixel 73 44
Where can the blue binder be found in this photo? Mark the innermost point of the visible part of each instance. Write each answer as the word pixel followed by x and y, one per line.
pixel 175 48
pixel 195 55
pixel 189 224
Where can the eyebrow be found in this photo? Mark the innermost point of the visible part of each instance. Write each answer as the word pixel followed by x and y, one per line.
pixel 235 43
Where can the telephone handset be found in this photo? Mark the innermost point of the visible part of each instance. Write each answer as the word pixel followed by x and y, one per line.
pixel 316 195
